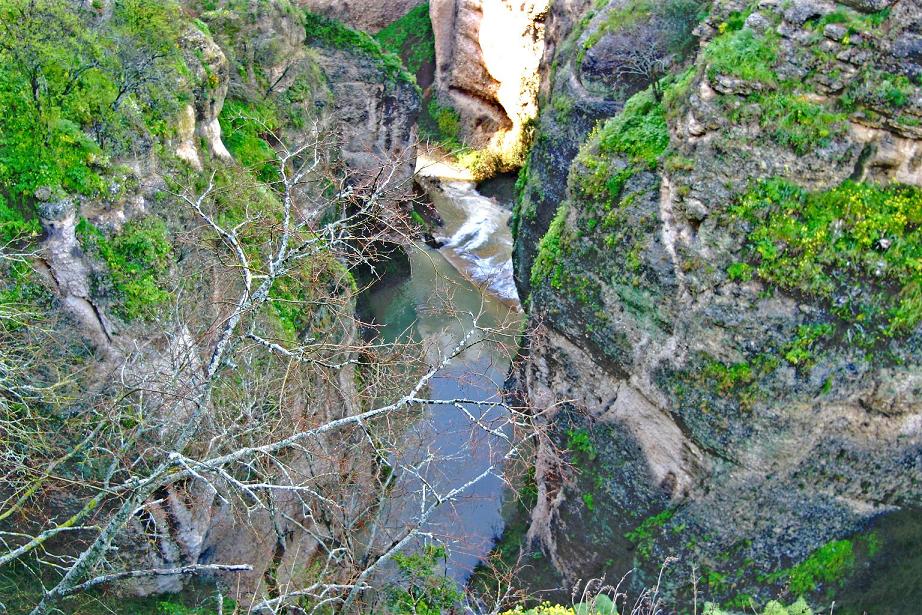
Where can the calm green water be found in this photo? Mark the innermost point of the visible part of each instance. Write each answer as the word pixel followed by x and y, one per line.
pixel 470 275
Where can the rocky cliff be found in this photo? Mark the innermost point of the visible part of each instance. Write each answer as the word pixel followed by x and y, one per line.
pixel 366 16
pixel 726 291
pixel 487 58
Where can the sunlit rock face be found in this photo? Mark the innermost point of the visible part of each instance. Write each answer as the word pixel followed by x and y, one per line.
pixel 488 53
pixel 367 15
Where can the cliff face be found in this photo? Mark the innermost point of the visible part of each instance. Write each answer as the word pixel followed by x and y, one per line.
pixel 487 58
pixel 367 16
pixel 729 288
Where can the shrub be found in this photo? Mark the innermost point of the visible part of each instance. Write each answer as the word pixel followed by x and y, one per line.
pixel 138 259
pixel 799 124
pixel 743 54
pixel 337 35
pixel 423 591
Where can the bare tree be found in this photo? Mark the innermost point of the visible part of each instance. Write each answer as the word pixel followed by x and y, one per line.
pixel 286 432
pixel 641 53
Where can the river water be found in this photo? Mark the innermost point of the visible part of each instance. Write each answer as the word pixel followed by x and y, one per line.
pixel 470 274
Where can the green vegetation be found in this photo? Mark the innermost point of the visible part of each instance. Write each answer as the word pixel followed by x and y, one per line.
pixel 441 124
pixel 643 536
pixel 14 225
pixel 772 608
pixel 639 133
pixel 827 564
pixel 423 590
pixel 580 443
pixel 677 17
pixel 743 54
pixel 548 265
pixel 245 127
pixel 138 260
pixel 599 605
pixel 800 352
pixel 857 247
pixel 337 35
pixel 20 591
pixel 65 88
pixel 411 38
pixel 797 123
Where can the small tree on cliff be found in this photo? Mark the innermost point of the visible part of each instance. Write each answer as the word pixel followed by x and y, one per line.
pixel 641 54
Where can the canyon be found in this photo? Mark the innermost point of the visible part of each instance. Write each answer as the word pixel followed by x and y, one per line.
pixel 712 278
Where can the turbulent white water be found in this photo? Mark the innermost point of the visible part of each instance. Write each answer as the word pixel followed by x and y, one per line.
pixel 475 237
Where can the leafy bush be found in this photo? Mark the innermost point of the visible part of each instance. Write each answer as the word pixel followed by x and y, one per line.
pixel 13 224
pixel 138 259
pixel 423 591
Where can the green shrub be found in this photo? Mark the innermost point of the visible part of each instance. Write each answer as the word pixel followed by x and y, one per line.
pixel 441 124
pixel 245 128
pixel 63 85
pixel 422 590
pixel 138 259
pixel 797 123
pixel 337 35
pixel 14 225
pixel 743 54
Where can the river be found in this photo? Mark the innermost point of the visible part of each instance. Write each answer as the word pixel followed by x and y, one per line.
pixel 470 274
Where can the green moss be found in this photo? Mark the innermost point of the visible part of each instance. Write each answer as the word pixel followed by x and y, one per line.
pixel 856 247
pixel 337 35
pixel 639 134
pixel 441 124
pixel 827 565
pixel 138 260
pixel 548 266
pixel 800 352
pixel 411 38
pixel 739 272
pixel 638 131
